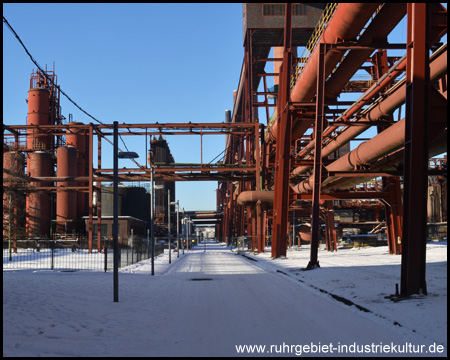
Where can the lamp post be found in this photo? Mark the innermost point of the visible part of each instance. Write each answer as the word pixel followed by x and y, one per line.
pixel 186 224
pixel 152 193
pixel 184 239
pixel 168 226
pixel 177 203
pixel 152 234
pixel 116 156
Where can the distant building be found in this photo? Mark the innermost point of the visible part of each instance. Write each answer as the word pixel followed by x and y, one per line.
pixel 127 225
pixel 163 157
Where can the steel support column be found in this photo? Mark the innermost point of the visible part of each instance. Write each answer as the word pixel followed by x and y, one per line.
pixel 320 117
pixel 99 194
pixel 259 230
pixel 91 184
pixel 283 150
pixel 394 214
pixel 329 226
pixel 416 151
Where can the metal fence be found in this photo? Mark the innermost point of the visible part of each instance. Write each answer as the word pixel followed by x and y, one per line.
pixel 71 255
pixel 244 243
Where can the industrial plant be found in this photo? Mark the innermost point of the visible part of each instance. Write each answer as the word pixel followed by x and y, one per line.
pixel 295 169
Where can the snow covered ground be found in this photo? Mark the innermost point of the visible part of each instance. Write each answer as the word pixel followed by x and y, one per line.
pixel 219 303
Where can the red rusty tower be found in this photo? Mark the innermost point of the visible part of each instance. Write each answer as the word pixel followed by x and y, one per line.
pixel 43 109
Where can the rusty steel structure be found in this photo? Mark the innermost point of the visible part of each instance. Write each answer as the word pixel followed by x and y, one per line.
pixel 299 162
pixel 297 172
pixel 75 172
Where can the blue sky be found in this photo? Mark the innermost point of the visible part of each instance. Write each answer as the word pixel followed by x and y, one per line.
pixel 132 63
pixel 137 63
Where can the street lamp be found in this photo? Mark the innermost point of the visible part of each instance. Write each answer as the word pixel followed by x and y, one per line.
pixel 116 156
pixel 186 227
pixel 152 195
pixel 127 155
pixel 168 226
pixel 177 203
pixel 184 219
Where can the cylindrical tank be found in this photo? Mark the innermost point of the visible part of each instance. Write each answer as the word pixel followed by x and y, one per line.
pixel 38 208
pixel 38 114
pixel 66 201
pixel 13 201
pixel 78 139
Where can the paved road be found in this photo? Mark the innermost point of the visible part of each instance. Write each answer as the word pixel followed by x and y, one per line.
pixel 203 304
pixel 230 301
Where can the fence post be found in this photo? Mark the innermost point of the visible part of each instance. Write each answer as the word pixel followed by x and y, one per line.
pixel 105 251
pixel 52 246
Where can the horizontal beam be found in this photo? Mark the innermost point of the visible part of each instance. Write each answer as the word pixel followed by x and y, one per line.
pixel 345 195
pixel 179 169
pixel 171 126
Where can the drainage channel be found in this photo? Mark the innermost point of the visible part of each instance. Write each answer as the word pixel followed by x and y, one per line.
pixel 200 279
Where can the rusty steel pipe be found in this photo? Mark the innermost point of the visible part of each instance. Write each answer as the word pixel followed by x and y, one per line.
pixel 395 97
pixel 246 198
pixel 345 24
pixel 386 20
pixel 381 26
pixel 389 140
pixel 386 80
pixel 437 146
pixel 385 142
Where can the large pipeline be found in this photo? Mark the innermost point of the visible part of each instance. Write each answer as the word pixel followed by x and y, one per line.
pixel 381 26
pixel 251 197
pixel 374 90
pixel 391 162
pixel 389 140
pixel 345 25
pixel 395 98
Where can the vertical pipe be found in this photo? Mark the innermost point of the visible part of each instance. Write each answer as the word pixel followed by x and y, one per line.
pixel 168 225
pixel 91 183
pixel 115 213
pixel 99 194
pixel 178 228
pixel 293 226
pixel 151 218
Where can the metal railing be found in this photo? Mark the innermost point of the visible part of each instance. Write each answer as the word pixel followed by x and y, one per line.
pixel 318 31
pixel 244 243
pixel 69 255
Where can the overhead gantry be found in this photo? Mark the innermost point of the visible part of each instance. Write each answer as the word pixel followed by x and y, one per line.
pixel 295 166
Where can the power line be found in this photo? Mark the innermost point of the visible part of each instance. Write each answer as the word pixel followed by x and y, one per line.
pixel 59 88
pixel 43 72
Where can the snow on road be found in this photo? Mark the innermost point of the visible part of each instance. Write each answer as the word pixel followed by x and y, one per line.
pixel 203 304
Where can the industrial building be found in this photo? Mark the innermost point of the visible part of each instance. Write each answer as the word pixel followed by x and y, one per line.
pixel 277 184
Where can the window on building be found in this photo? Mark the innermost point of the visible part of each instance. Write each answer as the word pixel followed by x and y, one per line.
pixel 103 229
pixel 299 9
pixel 273 9
pixel 278 9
